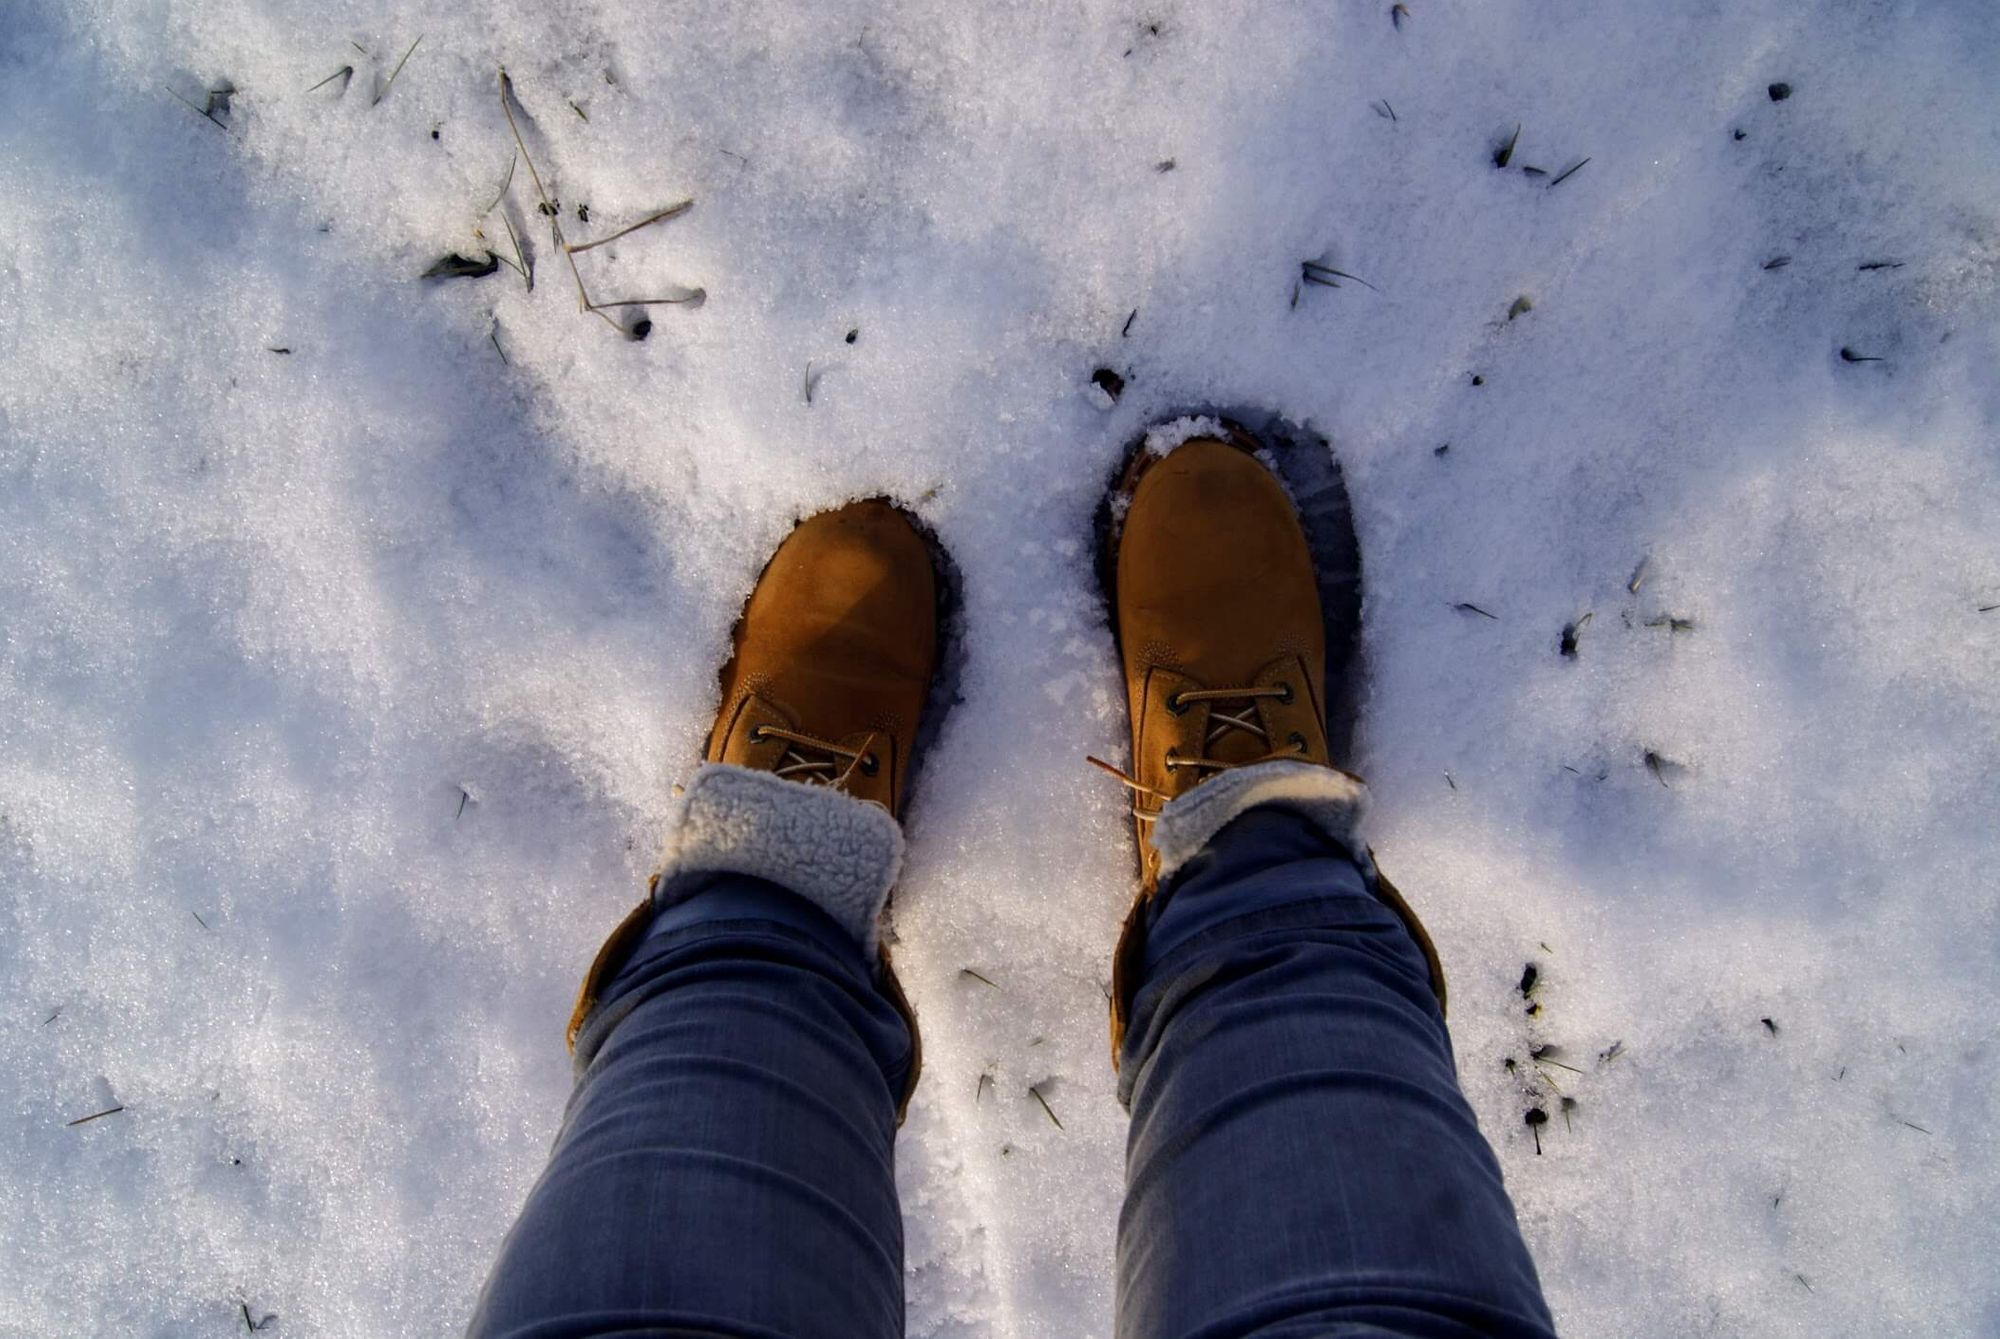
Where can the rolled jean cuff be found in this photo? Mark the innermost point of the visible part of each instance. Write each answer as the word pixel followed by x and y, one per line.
pixel 1333 801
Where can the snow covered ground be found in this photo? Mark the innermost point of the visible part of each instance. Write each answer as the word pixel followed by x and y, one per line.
pixel 353 628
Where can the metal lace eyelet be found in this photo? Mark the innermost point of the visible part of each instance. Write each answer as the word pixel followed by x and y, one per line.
pixel 1175 705
pixel 757 735
pixel 1298 742
pixel 870 765
pixel 1284 694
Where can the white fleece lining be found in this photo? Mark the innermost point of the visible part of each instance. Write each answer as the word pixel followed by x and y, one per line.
pixel 1332 800
pixel 837 852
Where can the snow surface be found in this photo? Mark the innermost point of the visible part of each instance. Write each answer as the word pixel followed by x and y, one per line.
pixel 342 689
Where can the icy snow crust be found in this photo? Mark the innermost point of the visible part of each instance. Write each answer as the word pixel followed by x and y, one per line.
pixel 342 690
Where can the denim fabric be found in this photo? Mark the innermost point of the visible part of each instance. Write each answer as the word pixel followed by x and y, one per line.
pixel 726 1164
pixel 1300 1162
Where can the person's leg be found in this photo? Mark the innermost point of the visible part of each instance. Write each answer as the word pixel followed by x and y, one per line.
pixel 743 1050
pixel 1301 1161
pixel 726 1163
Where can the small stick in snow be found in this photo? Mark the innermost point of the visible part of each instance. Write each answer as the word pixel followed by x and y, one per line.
pixel 1848 355
pixel 1639 574
pixel 1535 1120
pixel 1465 608
pixel 1770 1026
pixel 1384 110
pixel 52 1017
pixel 1912 1124
pixel 979 1093
pixel 1522 305
pixel 1658 765
pixel 1988 608
pixel 494 335
pixel 1569 1104
pixel 579 111
pixel 811 381
pixel 278 348
pixel 345 74
pixel 1449 782
pixel 197 918
pixel 1397 13
pixel 1804 1282
pixel 1121 334
pixel 967 971
pixel 97 1115
pixel 1777 262
pixel 383 92
pixel 1505 153
pixel 1671 623
pixel 1568 172
pixel 1036 1093
pixel 1881 265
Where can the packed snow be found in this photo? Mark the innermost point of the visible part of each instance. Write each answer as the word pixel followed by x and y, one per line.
pixel 354 627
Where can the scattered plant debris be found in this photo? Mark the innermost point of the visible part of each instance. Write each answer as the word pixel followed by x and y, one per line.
pixel 1109 382
pixel 967 971
pixel 1531 977
pixel 1535 1119
pixel 1478 380
pixel 1325 276
pixel 1568 172
pixel 1449 782
pixel 1036 1093
pixel 1397 13
pixel 390 82
pixel 1124 331
pixel 812 380
pixel 1770 1026
pixel 1639 574
pixel 1569 1104
pixel 1659 765
pixel 979 1092
pixel 1848 355
pixel 1740 135
pixel 197 918
pixel 346 76
pixel 854 334
pixel 1441 448
pixel 1164 165
pixel 262 1323
pixel 1671 623
pixel 454 266
pixel 95 1115
pixel 1611 1052
pixel 1522 305
pixel 1466 608
pixel 1505 153
pixel 1570 632
pixel 1777 262
pixel 581 114
pixel 1873 265
pixel 214 107
pixel 1779 91
pixel 277 348
pixel 1383 109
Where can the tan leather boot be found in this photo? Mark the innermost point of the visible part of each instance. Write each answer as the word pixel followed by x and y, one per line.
pixel 1217 612
pixel 834 656
pixel 832 665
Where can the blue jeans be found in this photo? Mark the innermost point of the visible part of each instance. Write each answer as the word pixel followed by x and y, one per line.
pixel 1301 1161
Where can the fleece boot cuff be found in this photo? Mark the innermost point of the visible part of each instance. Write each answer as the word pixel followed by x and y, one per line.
pixel 1332 800
pixel 838 853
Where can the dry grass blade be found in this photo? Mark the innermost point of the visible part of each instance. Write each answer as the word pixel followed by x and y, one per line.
pixel 391 82
pixel 1036 1093
pixel 671 211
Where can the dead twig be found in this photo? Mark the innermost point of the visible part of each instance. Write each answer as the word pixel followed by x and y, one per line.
pixel 1036 1093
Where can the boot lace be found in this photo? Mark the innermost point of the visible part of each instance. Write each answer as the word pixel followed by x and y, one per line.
pixel 816 761
pixel 1240 715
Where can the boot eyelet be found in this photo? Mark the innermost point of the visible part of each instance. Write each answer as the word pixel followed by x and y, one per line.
pixel 1298 742
pixel 1175 705
pixel 1284 694
pixel 869 764
pixel 757 735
